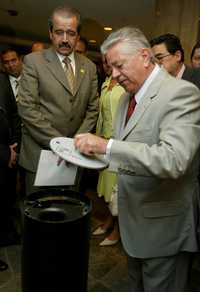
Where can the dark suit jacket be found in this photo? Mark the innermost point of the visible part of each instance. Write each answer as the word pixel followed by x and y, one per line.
pixel 10 125
pixel 47 106
pixel 192 75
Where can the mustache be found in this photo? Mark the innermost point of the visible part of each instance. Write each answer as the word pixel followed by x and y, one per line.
pixel 65 45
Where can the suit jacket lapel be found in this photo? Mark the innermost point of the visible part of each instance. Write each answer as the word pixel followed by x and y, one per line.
pixel 80 71
pixel 140 109
pixel 55 67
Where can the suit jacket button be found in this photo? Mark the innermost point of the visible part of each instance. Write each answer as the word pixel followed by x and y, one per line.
pixel 71 119
pixel 71 100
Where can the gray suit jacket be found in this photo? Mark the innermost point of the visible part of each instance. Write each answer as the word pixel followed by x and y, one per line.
pixel 157 164
pixel 47 107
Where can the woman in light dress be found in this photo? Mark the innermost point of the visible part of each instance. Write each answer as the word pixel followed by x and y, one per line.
pixel 111 92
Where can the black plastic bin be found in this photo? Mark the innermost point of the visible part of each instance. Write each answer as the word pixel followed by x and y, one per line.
pixel 55 249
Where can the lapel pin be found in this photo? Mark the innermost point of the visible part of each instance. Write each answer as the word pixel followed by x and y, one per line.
pixel 82 71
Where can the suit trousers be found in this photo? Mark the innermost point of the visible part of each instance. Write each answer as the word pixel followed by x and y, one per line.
pixel 164 274
pixel 29 182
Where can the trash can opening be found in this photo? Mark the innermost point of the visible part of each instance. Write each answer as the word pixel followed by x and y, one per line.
pixel 52 215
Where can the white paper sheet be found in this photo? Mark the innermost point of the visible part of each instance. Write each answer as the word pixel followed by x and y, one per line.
pixel 50 174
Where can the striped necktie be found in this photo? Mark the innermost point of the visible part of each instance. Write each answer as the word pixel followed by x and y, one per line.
pixel 69 73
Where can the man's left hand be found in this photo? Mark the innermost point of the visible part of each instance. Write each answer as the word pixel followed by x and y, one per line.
pixel 13 155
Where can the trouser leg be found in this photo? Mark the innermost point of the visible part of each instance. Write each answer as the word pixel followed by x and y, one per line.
pixel 135 274
pixel 164 274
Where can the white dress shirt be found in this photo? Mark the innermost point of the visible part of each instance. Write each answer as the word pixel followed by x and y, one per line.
pixel 14 81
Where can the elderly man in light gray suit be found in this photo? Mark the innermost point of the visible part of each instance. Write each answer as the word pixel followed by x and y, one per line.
pixel 48 104
pixel 155 154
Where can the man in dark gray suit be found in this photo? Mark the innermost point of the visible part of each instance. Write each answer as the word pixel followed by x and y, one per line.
pixel 10 136
pixel 169 53
pixel 52 103
pixel 12 66
pixel 154 152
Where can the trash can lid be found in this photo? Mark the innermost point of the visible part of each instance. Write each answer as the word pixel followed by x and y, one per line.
pixel 56 209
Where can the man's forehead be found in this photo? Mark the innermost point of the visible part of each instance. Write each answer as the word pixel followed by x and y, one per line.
pixel 114 53
pixel 60 19
pixel 10 55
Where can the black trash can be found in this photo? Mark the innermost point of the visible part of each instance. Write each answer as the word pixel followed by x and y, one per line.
pixel 55 248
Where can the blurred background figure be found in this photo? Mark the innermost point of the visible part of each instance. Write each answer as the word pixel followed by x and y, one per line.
pixel 10 136
pixel 110 94
pixel 81 46
pixel 195 56
pixel 169 53
pixel 12 66
pixel 37 47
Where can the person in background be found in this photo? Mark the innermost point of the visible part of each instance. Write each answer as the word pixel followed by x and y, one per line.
pixel 169 53
pixel 58 92
pixel 110 94
pixel 12 66
pixel 195 56
pixel 37 47
pixel 155 152
pixel 81 46
pixel 10 138
pixel 4 160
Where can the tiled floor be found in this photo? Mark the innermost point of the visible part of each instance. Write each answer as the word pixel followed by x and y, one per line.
pixel 107 265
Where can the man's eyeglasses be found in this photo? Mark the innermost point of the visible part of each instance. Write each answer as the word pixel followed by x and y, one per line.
pixel 161 57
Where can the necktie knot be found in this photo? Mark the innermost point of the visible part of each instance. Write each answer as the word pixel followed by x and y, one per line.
pixel 67 61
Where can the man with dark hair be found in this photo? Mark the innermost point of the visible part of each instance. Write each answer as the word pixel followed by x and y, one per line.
pixel 12 65
pixel 169 53
pixel 195 56
pixel 10 136
pixel 58 91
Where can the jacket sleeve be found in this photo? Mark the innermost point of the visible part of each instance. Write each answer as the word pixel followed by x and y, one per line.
pixel 4 139
pixel 15 122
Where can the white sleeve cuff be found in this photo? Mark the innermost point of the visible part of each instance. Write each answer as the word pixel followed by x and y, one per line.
pixel 108 149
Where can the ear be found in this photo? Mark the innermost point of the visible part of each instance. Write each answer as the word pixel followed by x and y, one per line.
pixel 146 54
pixel 178 55
pixel 50 35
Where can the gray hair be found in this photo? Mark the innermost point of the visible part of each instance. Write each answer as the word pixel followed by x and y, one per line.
pixel 66 11
pixel 131 36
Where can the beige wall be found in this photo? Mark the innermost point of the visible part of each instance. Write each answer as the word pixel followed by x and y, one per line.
pixel 180 17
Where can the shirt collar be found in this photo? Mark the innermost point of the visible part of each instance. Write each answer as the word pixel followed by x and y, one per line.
pixel 181 71
pixel 71 57
pixel 148 81
pixel 13 78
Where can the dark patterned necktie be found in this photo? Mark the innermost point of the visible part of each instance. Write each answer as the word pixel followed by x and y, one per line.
pixel 69 73
pixel 131 107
